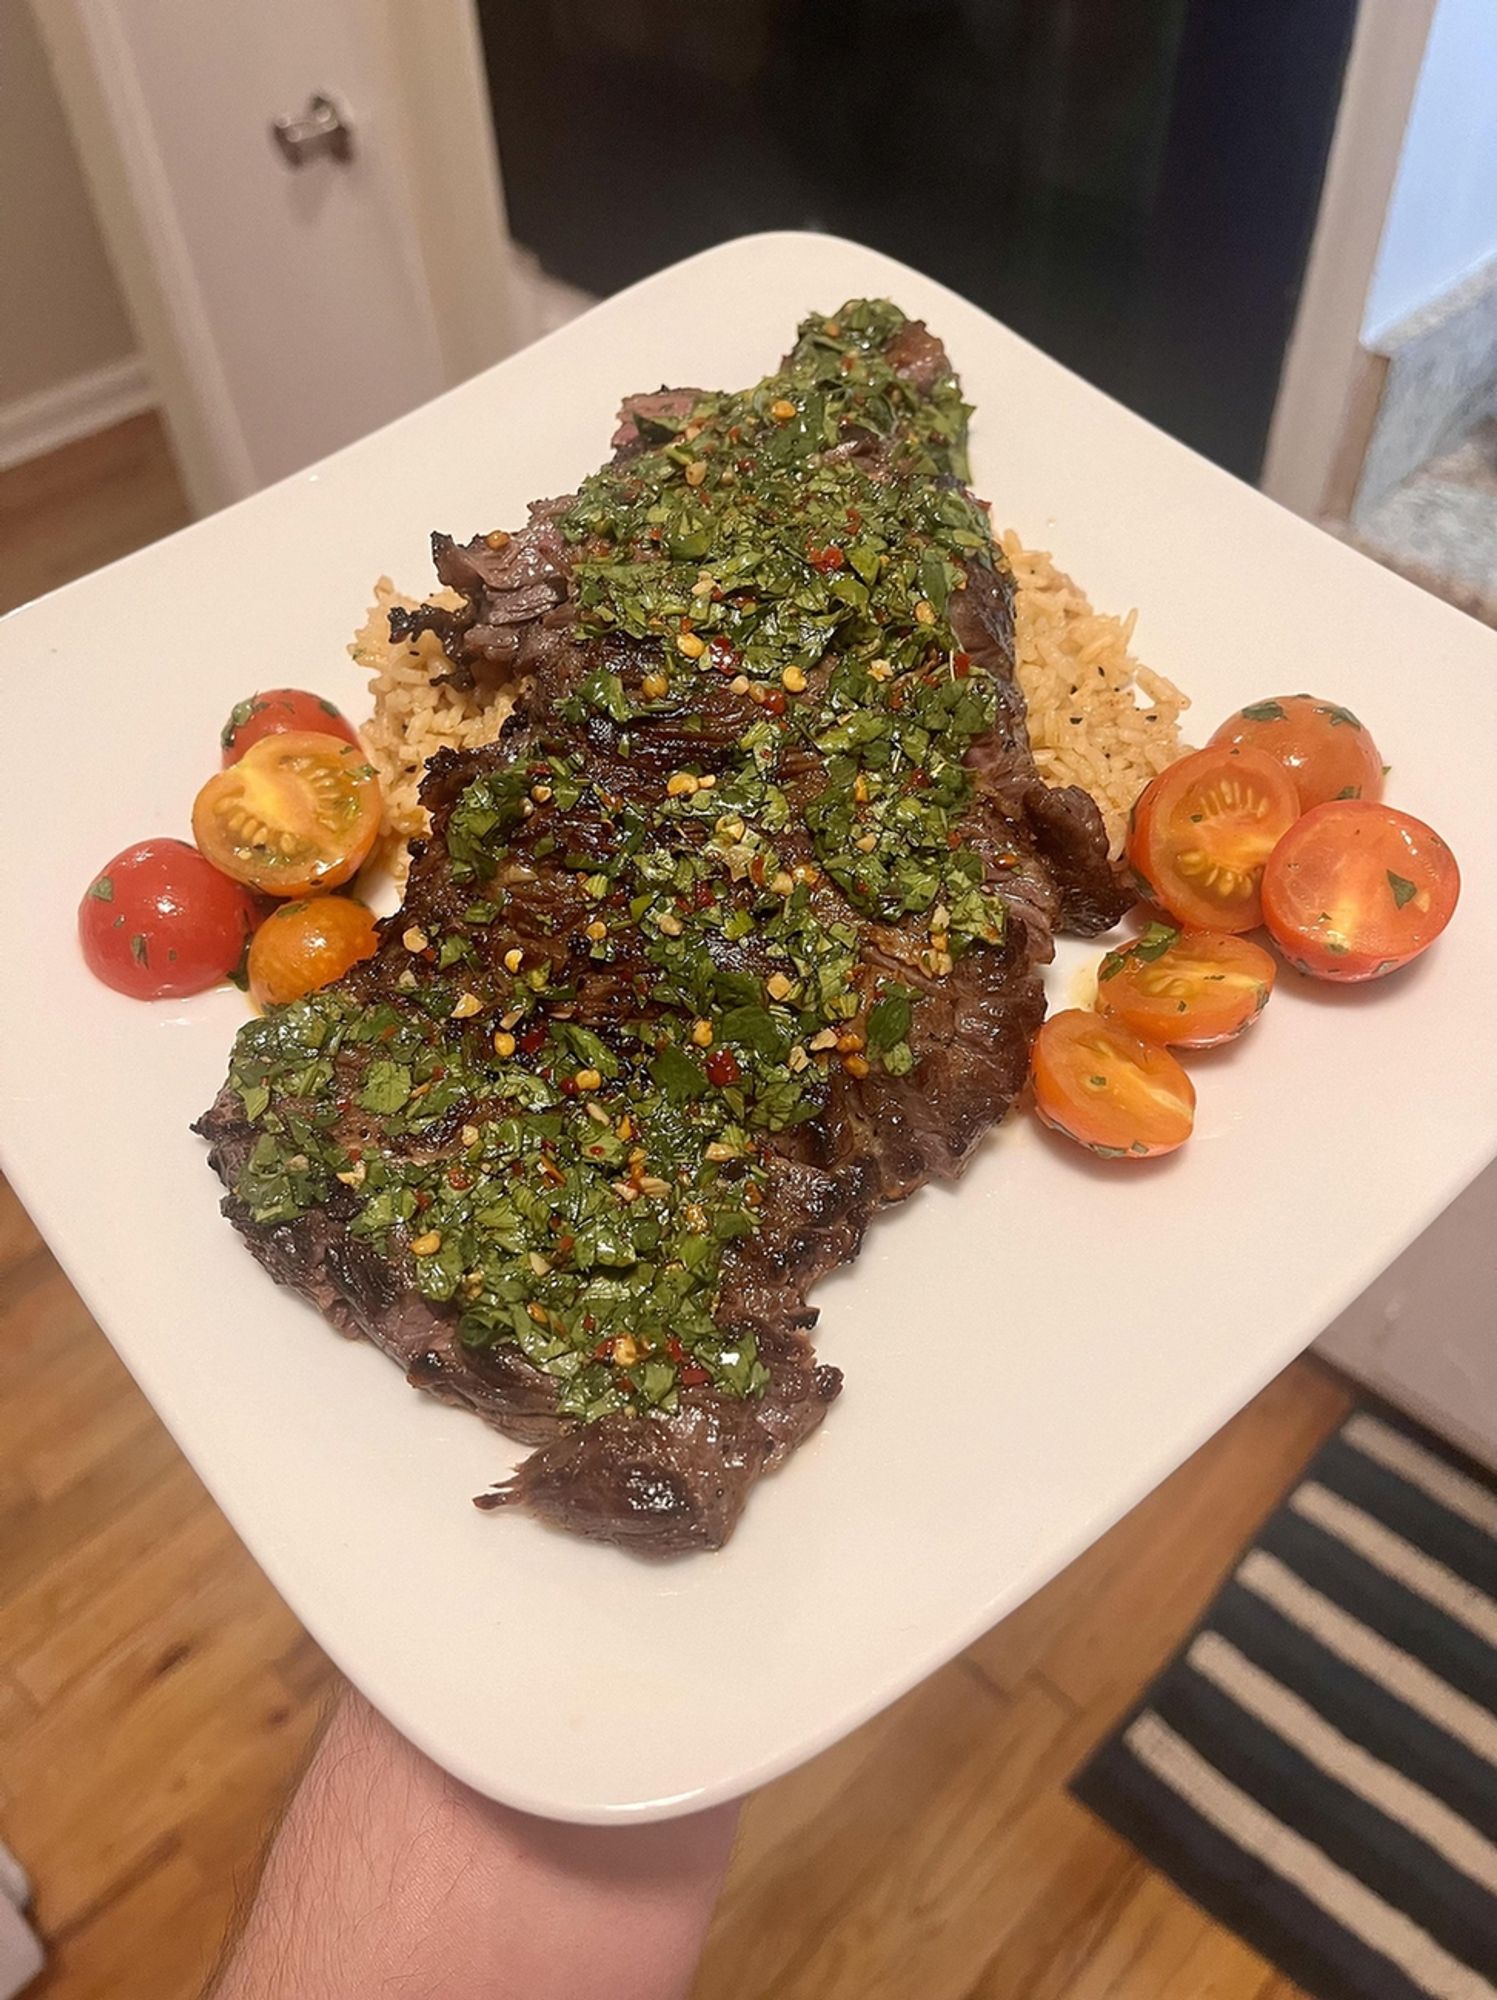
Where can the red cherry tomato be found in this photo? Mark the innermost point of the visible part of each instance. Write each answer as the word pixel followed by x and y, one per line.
pixel 160 921
pixel 275 712
pixel 1355 890
pixel 1203 829
pixel 1324 748
pixel 1121 1097
pixel 1185 989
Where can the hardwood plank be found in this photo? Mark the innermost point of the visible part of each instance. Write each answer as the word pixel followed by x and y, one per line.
pixel 80 1406
pixel 1113 1618
pixel 1101 1968
pixel 85 505
pixel 810 1840
pixel 156 1753
pixel 1075 1877
pixel 304 1670
pixel 154 1940
pixel 55 1559
pixel 43 1317
pixel 972 1857
pixel 157 1609
pixel 1218 1967
pixel 19 1237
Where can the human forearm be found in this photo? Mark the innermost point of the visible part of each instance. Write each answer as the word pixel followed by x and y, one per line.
pixel 389 1877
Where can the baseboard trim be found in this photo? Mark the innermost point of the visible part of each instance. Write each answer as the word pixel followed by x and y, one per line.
pixel 31 425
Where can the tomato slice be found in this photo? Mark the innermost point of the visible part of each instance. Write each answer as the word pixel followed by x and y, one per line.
pixel 159 922
pixel 1356 890
pixel 1124 1098
pixel 1203 829
pixel 298 812
pixel 304 946
pixel 276 711
pixel 1186 989
pixel 1327 752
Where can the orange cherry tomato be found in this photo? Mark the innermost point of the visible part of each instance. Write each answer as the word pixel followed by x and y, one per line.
pixel 1355 890
pixel 1124 1098
pixel 276 711
pixel 159 922
pixel 1203 829
pixel 1324 748
pixel 298 812
pixel 302 947
pixel 1185 989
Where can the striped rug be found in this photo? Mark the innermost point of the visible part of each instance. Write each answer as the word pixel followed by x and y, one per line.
pixel 1318 1766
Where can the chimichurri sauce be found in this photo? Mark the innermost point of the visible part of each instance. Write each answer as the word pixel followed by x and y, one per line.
pixel 584 1207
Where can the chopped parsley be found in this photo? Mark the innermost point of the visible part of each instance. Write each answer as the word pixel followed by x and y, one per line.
pixel 573 1193
pixel 1404 891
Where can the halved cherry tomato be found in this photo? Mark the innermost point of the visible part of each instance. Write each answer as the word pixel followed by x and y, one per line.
pixel 298 812
pixel 159 922
pixel 275 712
pixel 1201 832
pixel 1355 890
pixel 1324 748
pixel 304 946
pixel 1184 989
pixel 1124 1098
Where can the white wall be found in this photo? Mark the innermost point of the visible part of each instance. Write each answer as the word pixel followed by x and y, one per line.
pixel 1442 223
pixel 61 316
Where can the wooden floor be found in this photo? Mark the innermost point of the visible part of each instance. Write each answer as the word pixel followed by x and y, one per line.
pixel 156 1697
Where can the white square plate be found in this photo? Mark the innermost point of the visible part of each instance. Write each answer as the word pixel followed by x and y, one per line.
pixel 1025 1356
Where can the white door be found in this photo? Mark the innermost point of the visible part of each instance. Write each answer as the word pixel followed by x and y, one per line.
pixel 288 308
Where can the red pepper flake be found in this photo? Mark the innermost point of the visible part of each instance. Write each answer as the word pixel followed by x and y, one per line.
pixel 532 1039
pixel 723 655
pixel 855 519
pixel 757 871
pixel 675 1350
pixel 423 1200
pixel 774 700
pixel 565 1243
pixel 703 895
pixel 459 1180
pixel 826 560
pixel 722 1068
pixel 961 665
pixel 692 1376
pixel 603 1349
pixel 896 698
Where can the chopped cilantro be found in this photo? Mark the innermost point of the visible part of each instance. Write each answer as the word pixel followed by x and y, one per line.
pixel 387 1086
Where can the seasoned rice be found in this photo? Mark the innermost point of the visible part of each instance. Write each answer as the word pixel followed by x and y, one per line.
pixel 413 718
pixel 1082 686
pixel 1097 717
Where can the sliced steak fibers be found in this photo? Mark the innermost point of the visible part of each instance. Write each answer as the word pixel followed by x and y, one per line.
pixel 731 938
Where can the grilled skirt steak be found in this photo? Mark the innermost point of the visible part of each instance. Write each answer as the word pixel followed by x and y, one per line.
pixel 733 937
